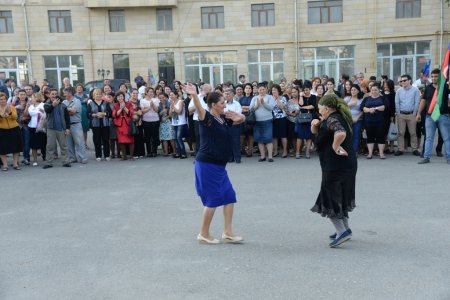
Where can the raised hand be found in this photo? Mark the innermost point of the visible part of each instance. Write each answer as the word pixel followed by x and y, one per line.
pixel 189 89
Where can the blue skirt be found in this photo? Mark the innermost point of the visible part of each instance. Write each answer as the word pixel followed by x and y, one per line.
pixel 303 131
pixel 262 132
pixel 213 185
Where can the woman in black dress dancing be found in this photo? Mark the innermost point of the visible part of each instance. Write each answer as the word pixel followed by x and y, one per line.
pixel 338 163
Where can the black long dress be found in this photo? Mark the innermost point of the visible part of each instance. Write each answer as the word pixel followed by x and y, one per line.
pixel 337 191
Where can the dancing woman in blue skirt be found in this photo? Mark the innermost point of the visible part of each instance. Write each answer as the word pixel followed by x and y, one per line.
pixel 211 179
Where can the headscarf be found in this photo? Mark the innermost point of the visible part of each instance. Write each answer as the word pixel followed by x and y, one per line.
pixel 335 102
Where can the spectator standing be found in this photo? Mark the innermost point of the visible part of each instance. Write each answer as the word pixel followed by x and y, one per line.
pixel 10 138
pixel 99 113
pixel 263 105
pixel 443 122
pixel 75 141
pixel 122 113
pixel 235 129
pixel 407 101
pixel 58 127
pixel 37 138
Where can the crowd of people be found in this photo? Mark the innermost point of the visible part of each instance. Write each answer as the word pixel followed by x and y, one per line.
pixel 162 120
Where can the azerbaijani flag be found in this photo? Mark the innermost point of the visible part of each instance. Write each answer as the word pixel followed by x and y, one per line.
pixel 150 78
pixel 435 106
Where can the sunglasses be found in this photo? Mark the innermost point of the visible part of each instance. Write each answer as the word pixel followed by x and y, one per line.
pixel 404 80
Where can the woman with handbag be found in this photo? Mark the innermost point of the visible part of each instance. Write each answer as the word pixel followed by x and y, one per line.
pixel 122 114
pixel 292 111
pixel 37 127
pixel 179 123
pixel 211 178
pixel 307 103
pixel 138 129
pixel 279 121
pixel 247 129
pixel 338 163
pixel 99 113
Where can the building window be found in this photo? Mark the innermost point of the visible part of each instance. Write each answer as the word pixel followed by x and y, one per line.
pixel 320 12
pixel 14 67
pixel 212 17
pixel 6 22
pixel 57 67
pixel 407 9
pixel 211 67
pixel 265 65
pixel 164 19
pixel 330 61
pixel 121 65
pixel 166 66
pixel 60 21
pixel 116 21
pixel 402 58
pixel 263 15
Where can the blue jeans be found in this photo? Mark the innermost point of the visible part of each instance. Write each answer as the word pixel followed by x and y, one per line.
pixel 430 126
pixel 179 133
pixel 235 134
pixel 356 127
pixel 25 142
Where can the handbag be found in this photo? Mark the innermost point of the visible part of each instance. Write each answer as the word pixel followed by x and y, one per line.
pixel 303 118
pixel 42 123
pixel 250 119
pixel 393 132
pixel 133 129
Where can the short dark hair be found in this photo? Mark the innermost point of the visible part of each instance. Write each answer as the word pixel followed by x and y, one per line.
pixel 241 76
pixel 407 76
pixel 345 76
pixel 436 71
pixel 69 90
pixel 213 97
pixel 278 88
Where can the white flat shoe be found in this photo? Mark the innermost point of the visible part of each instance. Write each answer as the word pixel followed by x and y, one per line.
pixel 232 239
pixel 201 239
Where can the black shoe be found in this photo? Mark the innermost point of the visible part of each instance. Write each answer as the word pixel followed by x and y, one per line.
pixel 270 160
pixel 439 154
pixel 67 165
pixel 238 161
pixel 398 153
pixel 47 167
pixel 416 153
pixel 262 159
pixel 424 161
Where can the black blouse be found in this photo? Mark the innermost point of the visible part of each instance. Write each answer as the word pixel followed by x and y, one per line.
pixel 329 160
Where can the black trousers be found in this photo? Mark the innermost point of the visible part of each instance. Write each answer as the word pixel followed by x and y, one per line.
pixel 375 133
pixel 151 136
pixel 100 136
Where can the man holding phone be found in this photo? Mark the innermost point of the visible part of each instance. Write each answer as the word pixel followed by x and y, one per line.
pixel 58 126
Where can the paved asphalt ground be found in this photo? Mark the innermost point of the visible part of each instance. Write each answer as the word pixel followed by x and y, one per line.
pixel 126 230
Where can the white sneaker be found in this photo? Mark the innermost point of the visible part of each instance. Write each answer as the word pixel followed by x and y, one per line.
pixel 108 158
pixel 35 164
pixel 99 159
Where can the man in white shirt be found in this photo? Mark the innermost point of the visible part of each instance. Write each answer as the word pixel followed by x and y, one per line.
pixel 235 130
pixel 206 89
